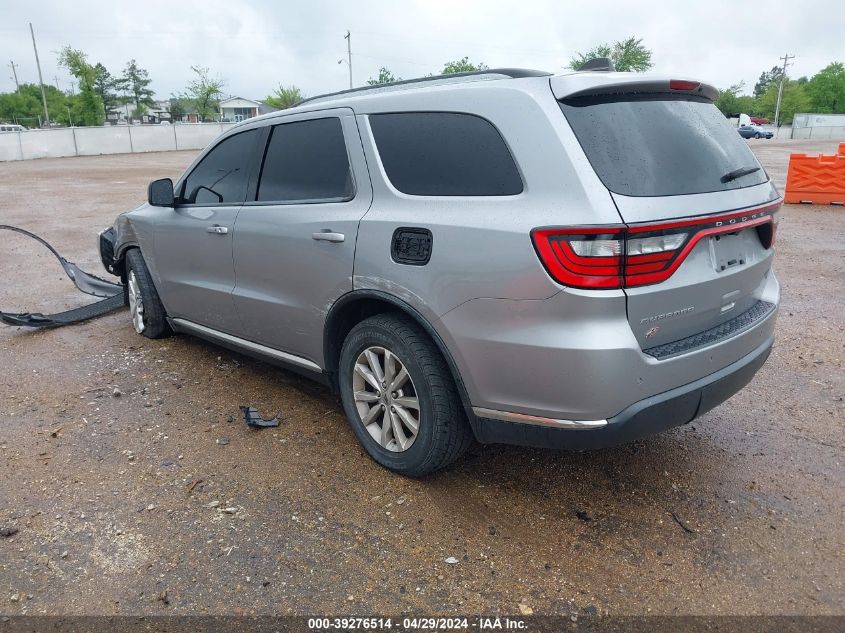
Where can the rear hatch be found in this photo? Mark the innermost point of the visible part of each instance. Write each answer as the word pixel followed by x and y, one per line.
pixel 698 206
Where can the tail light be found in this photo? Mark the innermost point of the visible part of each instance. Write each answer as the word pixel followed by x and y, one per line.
pixel 625 256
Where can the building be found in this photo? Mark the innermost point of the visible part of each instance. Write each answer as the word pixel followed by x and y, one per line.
pixel 237 109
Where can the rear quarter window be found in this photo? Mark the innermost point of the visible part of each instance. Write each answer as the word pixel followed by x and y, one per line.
pixel 660 144
pixel 444 154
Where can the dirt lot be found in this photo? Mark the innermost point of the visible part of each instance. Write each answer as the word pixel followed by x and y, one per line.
pixel 118 499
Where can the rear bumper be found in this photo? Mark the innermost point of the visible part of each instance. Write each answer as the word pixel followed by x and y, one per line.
pixel 647 417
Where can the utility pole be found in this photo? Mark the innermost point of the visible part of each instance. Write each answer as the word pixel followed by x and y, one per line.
pixel 40 79
pixel 56 79
pixel 15 74
pixel 785 59
pixel 348 38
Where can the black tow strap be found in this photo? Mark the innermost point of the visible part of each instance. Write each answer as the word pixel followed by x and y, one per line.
pixel 112 294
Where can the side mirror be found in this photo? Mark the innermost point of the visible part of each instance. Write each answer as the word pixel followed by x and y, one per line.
pixel 160 193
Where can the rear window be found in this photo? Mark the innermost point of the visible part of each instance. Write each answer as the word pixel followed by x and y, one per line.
pixel 444 154
pixel 660 145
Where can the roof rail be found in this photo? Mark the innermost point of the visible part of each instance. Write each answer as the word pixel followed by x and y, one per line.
pixel 512 73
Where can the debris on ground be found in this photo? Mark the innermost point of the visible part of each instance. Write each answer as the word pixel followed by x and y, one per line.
pixel 111 294
pixel 682 523
pixel 222 441
pixel 255 421
pixel 8 530
pixel 583 516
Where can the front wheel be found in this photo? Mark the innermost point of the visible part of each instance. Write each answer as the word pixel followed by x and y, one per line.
pixel 145 308
pixel 399 396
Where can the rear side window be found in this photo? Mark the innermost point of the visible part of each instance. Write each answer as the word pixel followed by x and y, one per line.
pixel 660 145
pixel 444 154
pixel 306 160
pixel 223 174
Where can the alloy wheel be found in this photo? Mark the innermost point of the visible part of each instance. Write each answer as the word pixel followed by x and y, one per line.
pixel 136 302
pixel 386 399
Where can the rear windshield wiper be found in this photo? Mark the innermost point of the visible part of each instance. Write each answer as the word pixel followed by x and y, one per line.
pixel 738 173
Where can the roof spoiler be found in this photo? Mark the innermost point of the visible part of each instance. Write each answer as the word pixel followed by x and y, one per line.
pixel 597 64
pixel 584 84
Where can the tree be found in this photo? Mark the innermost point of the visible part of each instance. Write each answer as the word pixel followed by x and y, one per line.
pixel 177 107
pixel 463 65
pixel 766 79
pixel 731 102
pixel 90 105
pixel 826 89
pixel 135 81
pixel 793 100
pixel 384 77
pixel 105 86
pixel 284 97
pixel 627 56
pixel 204 92
pixel 728 101
pixel 24 106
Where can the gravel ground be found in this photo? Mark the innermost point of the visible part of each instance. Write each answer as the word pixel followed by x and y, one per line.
pixel 135 488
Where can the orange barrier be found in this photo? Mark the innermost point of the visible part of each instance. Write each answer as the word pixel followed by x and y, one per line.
pixel 816 179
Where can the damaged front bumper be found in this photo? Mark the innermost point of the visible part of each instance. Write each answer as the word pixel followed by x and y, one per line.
pixel 106 240
pixel 111 293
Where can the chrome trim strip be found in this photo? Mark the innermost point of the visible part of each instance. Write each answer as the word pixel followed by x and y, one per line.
pixel 522 418
pixel 240 342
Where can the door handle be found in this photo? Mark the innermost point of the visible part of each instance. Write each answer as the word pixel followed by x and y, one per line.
pixel 216 228
pixel 328 236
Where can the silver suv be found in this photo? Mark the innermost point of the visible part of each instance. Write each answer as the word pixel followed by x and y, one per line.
pixel 566 261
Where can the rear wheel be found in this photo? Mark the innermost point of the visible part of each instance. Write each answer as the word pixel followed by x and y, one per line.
pixel 145 308
pixel 399 396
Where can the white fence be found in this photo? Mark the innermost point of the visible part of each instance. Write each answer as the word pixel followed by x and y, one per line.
pixel 117 139
pixel 826 133
pixel 822 127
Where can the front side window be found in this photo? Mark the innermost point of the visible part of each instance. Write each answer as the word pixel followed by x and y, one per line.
pixel 444 154
pixel 223 174
pixel 306 161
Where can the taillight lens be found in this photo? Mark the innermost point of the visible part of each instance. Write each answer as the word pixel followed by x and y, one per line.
pixel 636 255
pixel 651 255
pixel 582 258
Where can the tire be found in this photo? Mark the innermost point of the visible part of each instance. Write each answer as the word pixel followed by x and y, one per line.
pixel 142 296
pixel 443 433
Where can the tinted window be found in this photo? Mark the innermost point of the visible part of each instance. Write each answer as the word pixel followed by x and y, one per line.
pixel 444 154
pixel 660 145
pixel 224 172
pixel 306 160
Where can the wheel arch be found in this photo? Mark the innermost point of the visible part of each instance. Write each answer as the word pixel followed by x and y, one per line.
pixel 354 307
pixel 120 257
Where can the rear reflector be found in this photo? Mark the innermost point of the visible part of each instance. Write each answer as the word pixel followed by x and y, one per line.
pixel 680 84
pixel 624 256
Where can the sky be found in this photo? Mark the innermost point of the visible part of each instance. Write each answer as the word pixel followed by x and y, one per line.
pixel 254 45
